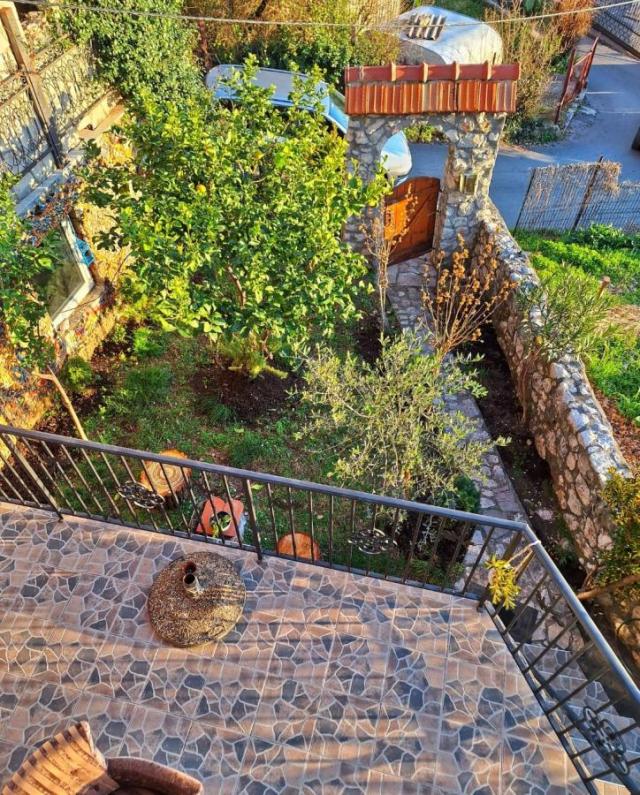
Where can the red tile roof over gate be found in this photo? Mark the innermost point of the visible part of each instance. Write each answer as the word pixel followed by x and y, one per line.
pixel 401 89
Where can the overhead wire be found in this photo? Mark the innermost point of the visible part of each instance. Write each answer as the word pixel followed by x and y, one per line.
pixel 393 25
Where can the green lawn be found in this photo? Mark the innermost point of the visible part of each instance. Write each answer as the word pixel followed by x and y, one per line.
pixel 614 366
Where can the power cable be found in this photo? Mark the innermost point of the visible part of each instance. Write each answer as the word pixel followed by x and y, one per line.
pixel 388 27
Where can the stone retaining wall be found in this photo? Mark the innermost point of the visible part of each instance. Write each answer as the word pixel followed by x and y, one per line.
pixel 571 431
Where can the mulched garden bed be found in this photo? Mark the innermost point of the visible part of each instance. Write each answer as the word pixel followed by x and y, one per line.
pixel 528 472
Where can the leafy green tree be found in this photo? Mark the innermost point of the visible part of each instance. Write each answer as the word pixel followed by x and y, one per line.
pixel 234 217
pixel 387 426
pixel 23 270
pixel 136 52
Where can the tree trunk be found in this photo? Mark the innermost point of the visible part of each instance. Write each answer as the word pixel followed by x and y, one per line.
pixel 631 579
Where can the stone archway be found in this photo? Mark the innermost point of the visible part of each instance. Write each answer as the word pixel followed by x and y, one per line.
pixel 467 104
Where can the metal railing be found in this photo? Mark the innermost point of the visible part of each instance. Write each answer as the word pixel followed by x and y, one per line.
pixel 582 686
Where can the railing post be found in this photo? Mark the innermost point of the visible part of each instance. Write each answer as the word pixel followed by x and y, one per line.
pixel 246 485
pixel 13 449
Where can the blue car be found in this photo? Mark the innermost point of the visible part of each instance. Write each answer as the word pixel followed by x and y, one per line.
pixel 396 157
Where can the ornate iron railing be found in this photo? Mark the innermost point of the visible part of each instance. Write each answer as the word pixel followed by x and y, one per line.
pixel 582 686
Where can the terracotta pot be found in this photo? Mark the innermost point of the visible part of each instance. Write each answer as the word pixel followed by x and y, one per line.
pixel 141 776
pixel 208 524
pixel 305 548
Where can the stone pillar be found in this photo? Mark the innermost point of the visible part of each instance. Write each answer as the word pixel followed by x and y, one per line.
pixel 366 137
pixel 473 147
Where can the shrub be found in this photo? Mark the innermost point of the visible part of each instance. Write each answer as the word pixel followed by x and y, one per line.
pixel 234 218
pixel 465 295
pixel 23 272
pixel 572 27
pixel 302 48
pixel 148 342
pixel 387 424
pixel 563 314
pixel 422 133
pixel 77 374
pixel 622 495
pixel 535 46
pixel 135 53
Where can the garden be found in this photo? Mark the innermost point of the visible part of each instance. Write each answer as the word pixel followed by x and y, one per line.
pixel 250 331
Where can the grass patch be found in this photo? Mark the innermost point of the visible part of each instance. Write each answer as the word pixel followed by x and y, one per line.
pixel 598 252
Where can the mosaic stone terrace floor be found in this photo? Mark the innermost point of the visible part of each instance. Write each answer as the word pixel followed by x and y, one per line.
pixel 331 683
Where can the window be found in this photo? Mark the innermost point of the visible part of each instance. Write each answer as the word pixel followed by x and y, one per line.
pixel 71 280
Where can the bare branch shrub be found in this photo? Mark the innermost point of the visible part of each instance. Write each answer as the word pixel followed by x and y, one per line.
pixel 466 293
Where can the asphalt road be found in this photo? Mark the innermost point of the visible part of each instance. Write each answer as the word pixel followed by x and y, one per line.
pixel 613 93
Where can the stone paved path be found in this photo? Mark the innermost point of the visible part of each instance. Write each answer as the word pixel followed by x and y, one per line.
pixel 331 683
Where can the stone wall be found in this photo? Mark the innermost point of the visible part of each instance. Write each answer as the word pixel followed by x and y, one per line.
pixel 472 149
pixel 622 24
pixel 571 431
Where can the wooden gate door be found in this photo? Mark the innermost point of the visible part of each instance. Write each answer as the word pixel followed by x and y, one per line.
pixel 410 217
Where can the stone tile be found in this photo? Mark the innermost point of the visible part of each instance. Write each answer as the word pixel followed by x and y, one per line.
pixel 357 667
pixel 532 768
pixel 421 621
pixel 474 638
pixel 61 547
pixel 270 768
pixel 301 652
pixel 371 617
pixel 267 576
pixel 23 644
pixel 155 735
pixel 44 593
pixel 229 696
pixel 116 548
pixel 407 744
pixel 109 719
pixel 174 683
pixel 69 657
pixel 469 760
pixel 346 728
pixel 121 669
pixel 14 570
pixel 330 776
pixel 380 784
pixel 251 641
pixel 131 618
pixel 41 710
pixel 287 713
pixel 330 683
pixel 213 755
pixel 9 695
pixel 11 757
pixel 155 554
pixel 523 716
pixel 474 693
pixel 414 680
pixel 94 604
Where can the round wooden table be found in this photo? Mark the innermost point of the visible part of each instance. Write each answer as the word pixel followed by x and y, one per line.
pixel 167 480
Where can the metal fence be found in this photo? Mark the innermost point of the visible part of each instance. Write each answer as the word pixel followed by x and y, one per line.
pixel 576 195
pixel 588 695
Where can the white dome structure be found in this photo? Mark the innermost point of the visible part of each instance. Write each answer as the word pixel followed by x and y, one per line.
pixel 437 36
